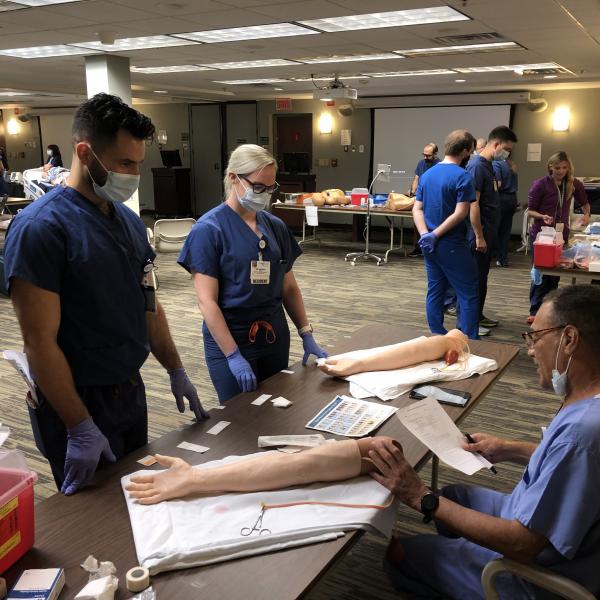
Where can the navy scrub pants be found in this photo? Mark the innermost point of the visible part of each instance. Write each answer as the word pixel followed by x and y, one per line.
pixel 265 359
pixel 452 265
pixel 508 207
pixel 538 292
pixel 119 411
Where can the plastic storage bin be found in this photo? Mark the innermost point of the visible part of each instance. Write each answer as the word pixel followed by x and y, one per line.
pixel 358 196
pixel 16 508
pixel 546 255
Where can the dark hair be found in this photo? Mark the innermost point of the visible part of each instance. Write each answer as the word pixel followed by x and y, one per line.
pixel 55 150
pixel 99 119
pixel 578 305
pixel 433 147
pixel 457 141
pixel 503 134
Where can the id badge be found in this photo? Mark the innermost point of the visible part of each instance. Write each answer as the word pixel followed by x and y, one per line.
pixel 149 287
pixel 559 227
pixel 260 272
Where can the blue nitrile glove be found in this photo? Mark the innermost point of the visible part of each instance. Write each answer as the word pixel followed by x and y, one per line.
pixel 242 371
pixel 311 347
pixel 85 445
pixel 182 387
pixel 427 242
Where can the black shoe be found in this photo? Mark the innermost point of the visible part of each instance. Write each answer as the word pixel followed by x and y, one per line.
pixel 416 252
pixel 485 322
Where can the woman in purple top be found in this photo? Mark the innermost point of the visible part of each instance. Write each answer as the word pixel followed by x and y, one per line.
pixel 549 204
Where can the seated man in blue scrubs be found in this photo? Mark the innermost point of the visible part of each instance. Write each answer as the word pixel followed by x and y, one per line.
pixel 242 257
pixel 441 211
pixel 78 266
pixel 552 516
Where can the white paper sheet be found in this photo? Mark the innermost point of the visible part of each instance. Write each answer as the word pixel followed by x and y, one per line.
pixel 432 426
pixel 19 361
pixel 312 216
pixel 216 429
pixel 261 399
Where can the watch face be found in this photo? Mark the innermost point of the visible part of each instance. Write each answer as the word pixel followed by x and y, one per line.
pixel 429 502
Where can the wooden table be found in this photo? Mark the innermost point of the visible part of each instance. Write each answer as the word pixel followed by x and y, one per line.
pixel 349 209
pixel 574 274
pixel 95 520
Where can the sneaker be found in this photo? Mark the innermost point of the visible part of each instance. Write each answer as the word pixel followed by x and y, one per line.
pixel 501 264
pixel 483 331
pixel 530 319
pixel 486 322
pixel 416 251
pixel 451 310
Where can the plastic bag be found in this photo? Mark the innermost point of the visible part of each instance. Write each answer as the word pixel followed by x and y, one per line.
pixel 536 276
pixel 583 255
pixel 567 259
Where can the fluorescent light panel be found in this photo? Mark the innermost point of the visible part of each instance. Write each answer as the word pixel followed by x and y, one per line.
pixel 43 2
pixel 413 73
pixel 350 58
pixel 395 18
pixel 327 78
pixel 251 64
pixel 136 43
pixel 496 68
pixel 11 94
pixel 254 32
pixel 492 47
pixel 251 81
pixel 45 51
pixel 169 69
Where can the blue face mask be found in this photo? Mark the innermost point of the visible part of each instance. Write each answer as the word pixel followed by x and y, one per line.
pixel 559 380
pixel 252 201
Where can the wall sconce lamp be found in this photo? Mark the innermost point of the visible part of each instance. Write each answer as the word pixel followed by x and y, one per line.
pixel 561 118
pixel 13 127
pixel 325 123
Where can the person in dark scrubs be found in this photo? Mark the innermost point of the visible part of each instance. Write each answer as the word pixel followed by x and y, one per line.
pixel 505 172
pixel 54 157
pixel 241 259
pixel 78 267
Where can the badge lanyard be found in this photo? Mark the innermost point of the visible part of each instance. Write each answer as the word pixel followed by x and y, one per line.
pixel 560 201
pixel 260 270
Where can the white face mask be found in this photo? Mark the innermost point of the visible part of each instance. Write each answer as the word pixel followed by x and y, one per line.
pixel 501 154
pixel 559 380
pixel 118 187
pixel 49 152
pixel 252 201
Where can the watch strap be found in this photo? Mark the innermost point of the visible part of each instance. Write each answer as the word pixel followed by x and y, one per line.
pixel 306 329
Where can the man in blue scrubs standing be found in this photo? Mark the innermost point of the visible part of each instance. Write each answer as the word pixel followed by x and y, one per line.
pixel 485 213
pixel 78 266
pixel 441 212
pixel 552 516
pixel 242 257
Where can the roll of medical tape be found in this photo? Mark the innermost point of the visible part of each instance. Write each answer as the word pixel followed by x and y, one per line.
pixel 138 579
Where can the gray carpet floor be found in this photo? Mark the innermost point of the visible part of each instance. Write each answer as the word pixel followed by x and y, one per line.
pixel 340 298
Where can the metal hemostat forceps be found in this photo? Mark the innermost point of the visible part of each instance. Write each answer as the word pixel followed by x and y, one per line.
pixel 246 531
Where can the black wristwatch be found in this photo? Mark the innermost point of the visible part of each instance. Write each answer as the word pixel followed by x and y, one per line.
pixel 429 504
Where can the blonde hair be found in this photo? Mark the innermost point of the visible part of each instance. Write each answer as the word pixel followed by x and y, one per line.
pixel 558 157
pixel 246 159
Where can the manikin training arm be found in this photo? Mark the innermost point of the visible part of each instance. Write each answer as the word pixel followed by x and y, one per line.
pixel 271 471
pixel 413 352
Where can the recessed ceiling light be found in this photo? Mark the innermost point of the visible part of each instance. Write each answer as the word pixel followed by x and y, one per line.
pixel 394 18
pixel 251 64
pixel 11 94
pixel 251 81
pixel 327 77
pixel 496 68
pixel 43 2
pixel 460 80
pixel 334 59
pixel 254 32
pixel 169 69
pixel 412 73
pixel 550 76
pixel 136 43
pixel 278 89
pixel 493 47
pixel 161 91
pixel 45 51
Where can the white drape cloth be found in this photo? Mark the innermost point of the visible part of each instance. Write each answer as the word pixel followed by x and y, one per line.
pixel 387 385
pixel 179 534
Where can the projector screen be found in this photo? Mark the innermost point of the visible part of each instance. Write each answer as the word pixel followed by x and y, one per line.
pixel 401 133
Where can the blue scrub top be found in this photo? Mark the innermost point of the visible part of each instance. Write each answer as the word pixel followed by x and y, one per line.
pixel 424 165
pixel 482 172
pixel 507 179
pixel 440 189
pixel 222 246
pixel 558 494
pixel 64 244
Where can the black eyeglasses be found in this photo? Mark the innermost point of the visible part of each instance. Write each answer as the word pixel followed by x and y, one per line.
pixel 427 155
pixel 532 337
pixel 260 188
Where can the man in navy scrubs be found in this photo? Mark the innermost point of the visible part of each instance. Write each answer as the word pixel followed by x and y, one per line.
pixel 78 267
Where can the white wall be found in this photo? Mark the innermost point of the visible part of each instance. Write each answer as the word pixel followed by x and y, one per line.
pixel 56 129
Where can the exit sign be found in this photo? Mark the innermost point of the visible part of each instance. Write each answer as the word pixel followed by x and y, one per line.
pixel 283 104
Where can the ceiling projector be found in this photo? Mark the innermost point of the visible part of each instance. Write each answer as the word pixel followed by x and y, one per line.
pixel 335 93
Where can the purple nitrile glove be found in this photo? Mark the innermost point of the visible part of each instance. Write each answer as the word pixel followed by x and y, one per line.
pixel 427 242
pixel 85 445
pixel 242 371
pixel 182 387
pixel 311 347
